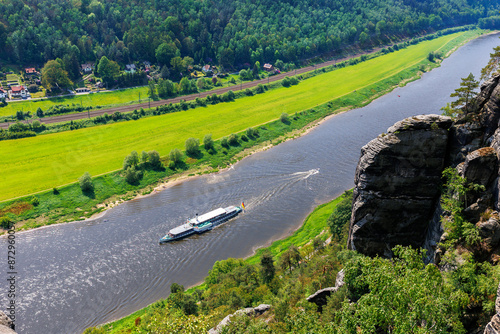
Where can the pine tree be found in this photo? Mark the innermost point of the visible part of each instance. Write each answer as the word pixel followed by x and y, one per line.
pixel 466 94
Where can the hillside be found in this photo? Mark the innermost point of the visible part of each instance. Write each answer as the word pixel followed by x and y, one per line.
pixel 228 34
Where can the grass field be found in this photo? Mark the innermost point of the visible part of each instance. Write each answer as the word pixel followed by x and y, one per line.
pixel 33 164
pixel 119 97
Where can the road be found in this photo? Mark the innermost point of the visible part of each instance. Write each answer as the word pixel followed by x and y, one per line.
pixel 154 104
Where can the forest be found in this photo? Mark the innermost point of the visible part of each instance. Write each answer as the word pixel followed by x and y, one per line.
pixel 230 34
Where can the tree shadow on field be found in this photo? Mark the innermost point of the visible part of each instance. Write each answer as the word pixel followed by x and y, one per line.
pixel 89 193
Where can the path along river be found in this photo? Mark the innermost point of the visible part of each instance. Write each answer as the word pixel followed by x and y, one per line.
pixel 82 274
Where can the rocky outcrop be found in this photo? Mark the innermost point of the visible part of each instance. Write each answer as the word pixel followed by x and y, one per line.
pixel 397 185
pixel 5 324
pixel 493 327
pixel 249 311
pixel 320 296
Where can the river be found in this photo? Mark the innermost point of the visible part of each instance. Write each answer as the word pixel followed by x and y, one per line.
pixel 76 275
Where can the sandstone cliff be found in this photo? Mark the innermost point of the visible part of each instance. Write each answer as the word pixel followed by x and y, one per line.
pixel 398 179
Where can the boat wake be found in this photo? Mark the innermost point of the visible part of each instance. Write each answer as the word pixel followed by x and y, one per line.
pixel 284 182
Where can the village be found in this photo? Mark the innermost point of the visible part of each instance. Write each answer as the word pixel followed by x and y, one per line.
pixel 26 84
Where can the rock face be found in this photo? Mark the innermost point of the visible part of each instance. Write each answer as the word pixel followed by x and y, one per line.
pixel 493 327
pixel 249 311
pixel 5 324
pixel 397 185
pixel 320 296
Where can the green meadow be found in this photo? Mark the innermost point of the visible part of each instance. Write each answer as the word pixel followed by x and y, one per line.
pixel 38 163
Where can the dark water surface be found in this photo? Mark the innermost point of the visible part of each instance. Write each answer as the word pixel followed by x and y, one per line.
pixel 82 274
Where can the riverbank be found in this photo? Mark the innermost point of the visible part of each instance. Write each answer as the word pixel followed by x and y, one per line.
pixel 315 225
pixel 53 208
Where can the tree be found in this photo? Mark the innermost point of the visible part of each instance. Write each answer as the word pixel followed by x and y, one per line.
pixel 144 157
pixel 154 160
pixel 152 90
pixel 192 146
pixel 465 94
pixel 208 142
pixel 131 160
pixel 284 118
pixel 493 63
pixel 267 267
pixel 133 175
pixel 54 75
pixel 108 69
pixel 290 258
pixel 341 216
pixel 175 157
pixel 165 52
pixel 86 183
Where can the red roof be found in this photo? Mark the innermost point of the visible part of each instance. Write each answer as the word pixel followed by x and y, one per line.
pixel 2 90
pixel 30 70
pixel 16 89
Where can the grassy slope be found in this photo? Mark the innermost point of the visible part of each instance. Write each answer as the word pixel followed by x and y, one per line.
pixel 108 99
pixel 38 163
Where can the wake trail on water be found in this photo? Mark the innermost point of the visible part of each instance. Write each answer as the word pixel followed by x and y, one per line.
pixel 284 182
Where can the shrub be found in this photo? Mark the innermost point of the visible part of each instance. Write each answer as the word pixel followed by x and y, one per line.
pixel 131 160
pixel 248 92
pixel 55 191
pixel 284 118
pixel 251 133
pixel 260 89
pixel 133 175
pixel 39 112
pixel 154 160
pixel 86 182
pixel 175 157
pixel 224 142
pixel 6 222
pixel 175 287
pixel 35 201
pixel 208 142
pixel 144 157
pixel 192 146
pixel 233 139
pixel 244 137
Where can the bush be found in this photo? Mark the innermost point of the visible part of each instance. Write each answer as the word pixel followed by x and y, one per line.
pixel 175 157
pixel 252 133
pixel 133 175
pixel 233 139
pixel 39 112
pixel 55 191
pixel 144 157
pixel 284 118
pixel 175 287
pixel 192 146
pixel 6 222
pixel 244 137
pixel 224 142
pixel 35 201
pixel 154 160
pixel 86 182
pixel 131 160
pixel 208 142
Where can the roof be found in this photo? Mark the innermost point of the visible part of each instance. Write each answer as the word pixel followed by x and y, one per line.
pixel 30 70
pixel 268 66
pixel 2 90
pixel 180 229
pixel 212 214
pixel 86 66
pixel 206 68
pixel 17 89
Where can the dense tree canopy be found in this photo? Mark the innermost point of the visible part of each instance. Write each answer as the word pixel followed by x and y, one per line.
pixel 229 33
pixel 54 75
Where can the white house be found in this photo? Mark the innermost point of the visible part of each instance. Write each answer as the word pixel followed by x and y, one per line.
pixel 3 93
pixel 17 92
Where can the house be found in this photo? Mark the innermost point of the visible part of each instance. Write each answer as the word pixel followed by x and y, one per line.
pixel 268 67
pixel 17 92
pixel 30 71
pixel 147 65
pixel 87 68
pixel 206 68
pixel 3 93
pixel 82 90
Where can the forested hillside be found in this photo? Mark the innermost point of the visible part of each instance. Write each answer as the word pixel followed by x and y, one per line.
pixel 229 33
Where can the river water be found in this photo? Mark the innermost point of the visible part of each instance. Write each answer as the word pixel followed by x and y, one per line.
pixel 82 274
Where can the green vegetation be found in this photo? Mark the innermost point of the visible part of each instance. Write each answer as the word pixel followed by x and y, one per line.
pixel 60 158
pixel 164 30
pixel 398 295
